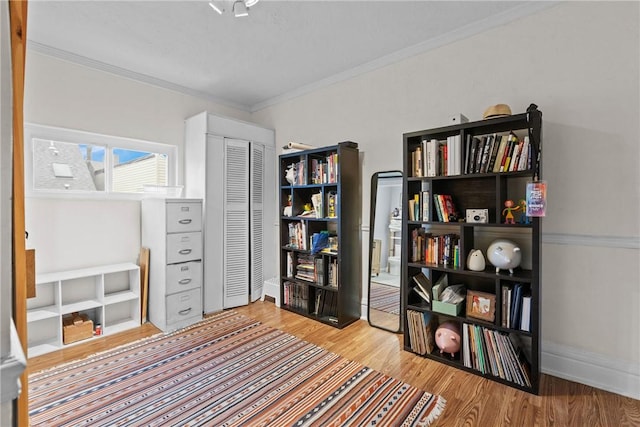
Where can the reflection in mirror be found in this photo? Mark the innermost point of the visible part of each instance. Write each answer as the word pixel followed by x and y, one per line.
pixel 385 243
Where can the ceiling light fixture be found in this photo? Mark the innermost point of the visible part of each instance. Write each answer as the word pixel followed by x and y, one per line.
pixel 238 7
pixel 216 8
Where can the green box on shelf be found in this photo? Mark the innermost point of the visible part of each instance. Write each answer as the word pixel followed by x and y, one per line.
pixel 447 308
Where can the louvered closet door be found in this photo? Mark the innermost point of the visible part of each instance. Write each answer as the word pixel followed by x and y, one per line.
pixel 257 219
pixel 236 223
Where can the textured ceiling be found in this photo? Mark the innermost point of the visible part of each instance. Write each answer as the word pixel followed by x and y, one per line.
pixel 281 49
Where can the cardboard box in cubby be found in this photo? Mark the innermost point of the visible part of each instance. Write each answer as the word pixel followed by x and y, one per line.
pixel 76 327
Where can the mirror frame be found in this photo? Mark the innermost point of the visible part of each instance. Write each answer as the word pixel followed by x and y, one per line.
pixel 372 217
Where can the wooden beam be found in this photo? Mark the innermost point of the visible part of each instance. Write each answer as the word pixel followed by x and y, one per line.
pixel 18 23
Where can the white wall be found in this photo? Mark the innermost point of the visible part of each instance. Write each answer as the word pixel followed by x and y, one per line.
pixel 73 233
pixel 579 62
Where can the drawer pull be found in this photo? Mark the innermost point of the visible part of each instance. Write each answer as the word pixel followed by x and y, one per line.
pixel 185 311
pixel 184 281
pixel 184 251
pixel 185 221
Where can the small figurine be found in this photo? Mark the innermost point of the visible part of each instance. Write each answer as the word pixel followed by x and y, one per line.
pixel 475 260
pixel 524 219
pixel 290 175
pixel 509 208
pixel 288 210
pixel 448 338
pixel 504 254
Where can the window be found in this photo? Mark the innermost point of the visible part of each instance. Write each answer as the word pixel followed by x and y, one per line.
pixel 66 161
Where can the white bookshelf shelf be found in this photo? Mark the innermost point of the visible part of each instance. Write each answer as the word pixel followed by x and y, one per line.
pixel 109 295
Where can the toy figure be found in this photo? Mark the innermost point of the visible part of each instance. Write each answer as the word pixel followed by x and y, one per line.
pixel 509 208
pixel 524 219
pixel 448 338
pixel 290 175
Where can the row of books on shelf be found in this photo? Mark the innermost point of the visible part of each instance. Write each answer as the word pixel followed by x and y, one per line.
pixel 496 353
pixel 320 270
pixel 325 171
pixel 516 307
pixel 437 158
pixel 498 153
pixel 445 208
pixel 494 153
pixel 295 295
pixel 443 249
pixel 325 304
pixel 422 327
pixel 298 236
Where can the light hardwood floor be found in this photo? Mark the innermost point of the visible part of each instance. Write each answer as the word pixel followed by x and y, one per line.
pixel 471 400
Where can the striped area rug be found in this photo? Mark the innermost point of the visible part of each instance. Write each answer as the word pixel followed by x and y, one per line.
pixel 385 298
pixel 228 370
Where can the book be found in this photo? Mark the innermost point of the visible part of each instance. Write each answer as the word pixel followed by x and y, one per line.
pixel 494 152
pixel 467 154
pixel 436 201
pixel 430 324
pixel 426 202
pixel 472 158
pixel 515 155
pixel 423 285
pixel 479 152
pixel 452 212
pixel 525 319
pixel 440 285
pixel 524 156
pixel 516 304
pixel 513 141
pixel 500 154
pixel 484 162
pixel 417 155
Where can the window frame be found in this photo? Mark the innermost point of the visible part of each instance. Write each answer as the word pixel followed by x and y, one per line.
pixel 109 142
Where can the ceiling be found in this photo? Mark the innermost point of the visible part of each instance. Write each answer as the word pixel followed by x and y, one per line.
pixel 281 50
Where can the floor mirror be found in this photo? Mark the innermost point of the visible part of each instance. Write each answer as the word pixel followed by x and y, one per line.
pixel 385 244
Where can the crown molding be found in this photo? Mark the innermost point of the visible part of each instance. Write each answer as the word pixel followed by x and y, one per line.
pixel 128 74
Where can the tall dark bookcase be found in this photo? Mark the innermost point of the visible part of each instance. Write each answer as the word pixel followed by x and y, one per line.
pixel 490 347
pixel 323 285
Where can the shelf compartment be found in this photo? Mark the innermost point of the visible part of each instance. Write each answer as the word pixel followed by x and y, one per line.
pixel 120 281
pixel 47 295
pixel 44 335
pixel 80 289
pixel 123 313
pixel 41 313
pixel 116 297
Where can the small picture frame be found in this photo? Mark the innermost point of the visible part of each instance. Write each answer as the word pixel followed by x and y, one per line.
pixel 481 305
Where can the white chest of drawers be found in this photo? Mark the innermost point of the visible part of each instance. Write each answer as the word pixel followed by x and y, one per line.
pixel 172 230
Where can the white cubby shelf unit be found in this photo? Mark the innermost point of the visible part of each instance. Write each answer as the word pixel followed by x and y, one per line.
pixel 109 295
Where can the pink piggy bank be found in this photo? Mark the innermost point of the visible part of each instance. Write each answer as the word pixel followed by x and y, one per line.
pixel 448 338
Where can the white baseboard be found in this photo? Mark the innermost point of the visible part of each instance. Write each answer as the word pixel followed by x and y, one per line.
pixel 603 372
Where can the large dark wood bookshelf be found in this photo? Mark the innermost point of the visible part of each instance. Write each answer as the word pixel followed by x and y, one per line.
pixel 326 285
pixel 471 189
